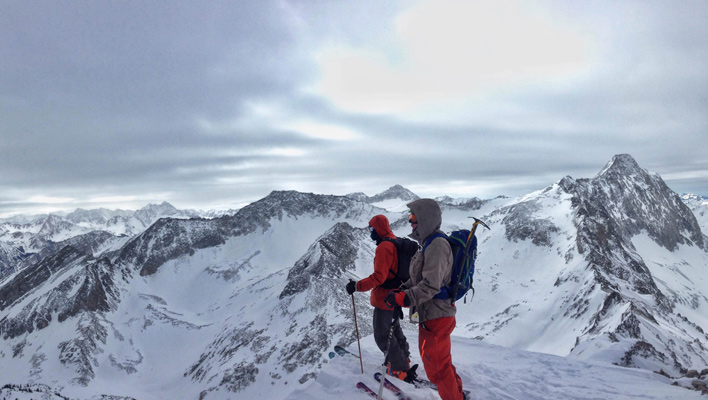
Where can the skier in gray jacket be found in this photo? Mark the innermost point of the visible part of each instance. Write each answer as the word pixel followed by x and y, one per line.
pixel 429 271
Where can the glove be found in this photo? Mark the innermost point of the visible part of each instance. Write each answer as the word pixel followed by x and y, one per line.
pixel 398 313
pixel 397 297
pixel 351 287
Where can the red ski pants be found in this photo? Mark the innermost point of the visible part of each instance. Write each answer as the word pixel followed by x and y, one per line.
pixel 434 345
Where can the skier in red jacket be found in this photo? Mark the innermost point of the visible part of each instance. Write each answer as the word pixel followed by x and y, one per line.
pixel 385 267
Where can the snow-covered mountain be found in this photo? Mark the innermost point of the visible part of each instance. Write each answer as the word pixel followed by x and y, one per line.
pixel 217 306
pixel 608 270
pixel 32 235
pixel 393 199
pixel 699 206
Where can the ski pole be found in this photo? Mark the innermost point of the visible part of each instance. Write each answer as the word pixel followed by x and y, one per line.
pixel 361 361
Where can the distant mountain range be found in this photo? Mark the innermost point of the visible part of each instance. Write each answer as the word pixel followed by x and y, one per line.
pixel 163 303
pixel 699 206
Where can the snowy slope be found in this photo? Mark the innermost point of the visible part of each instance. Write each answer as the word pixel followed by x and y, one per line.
pixel 491 372
pixel 197 307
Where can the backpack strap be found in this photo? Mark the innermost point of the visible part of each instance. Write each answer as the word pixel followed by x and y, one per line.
pixel 444 293
pixel 395 282
pixel 431 238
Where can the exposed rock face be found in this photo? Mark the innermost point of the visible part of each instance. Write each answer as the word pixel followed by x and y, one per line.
pixel 87 286
pixel 10 258
pixel 327 259
pixel 168 239
pixel 520 224
pixel 638 201
pixel 619 203
pixel 623 201
pixel 280 204
pixel 90 244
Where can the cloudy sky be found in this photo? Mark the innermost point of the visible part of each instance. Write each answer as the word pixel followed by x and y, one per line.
pixel 214 104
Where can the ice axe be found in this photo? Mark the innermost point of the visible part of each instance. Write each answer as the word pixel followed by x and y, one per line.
pixel 478 222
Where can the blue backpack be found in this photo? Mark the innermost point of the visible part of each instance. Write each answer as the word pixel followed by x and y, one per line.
pixel 464 250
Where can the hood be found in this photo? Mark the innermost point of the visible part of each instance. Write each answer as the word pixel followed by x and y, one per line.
pixel 380 224
pixel 429 216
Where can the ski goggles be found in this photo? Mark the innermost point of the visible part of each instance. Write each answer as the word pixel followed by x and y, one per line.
pixel 412 219
pixel 371 229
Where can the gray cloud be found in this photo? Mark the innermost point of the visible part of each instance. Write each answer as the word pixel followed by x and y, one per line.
pixel 194 102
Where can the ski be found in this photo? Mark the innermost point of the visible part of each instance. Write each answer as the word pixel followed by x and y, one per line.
pixel 423 383
pixel 420 383
pixel 365 389
pixel 393 388
pixel 342 351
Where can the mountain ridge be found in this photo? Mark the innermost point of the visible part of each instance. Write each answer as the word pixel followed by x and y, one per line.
pixel 256 298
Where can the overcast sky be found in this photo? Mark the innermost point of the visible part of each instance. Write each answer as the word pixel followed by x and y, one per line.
pixel 215 104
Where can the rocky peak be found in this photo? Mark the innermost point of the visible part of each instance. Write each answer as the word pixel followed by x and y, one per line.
pixel 621 164
pixel 634 200
pixel 98 216
pixel 328 258
pixel 280 204
pixel 154 211
pixel 53 225
pixel 358 196
pixel 168 239
pixel 394 192
pixel 623 201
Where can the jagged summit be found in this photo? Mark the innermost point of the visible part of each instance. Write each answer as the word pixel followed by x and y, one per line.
pixel 621 164
pixel 162 207
pixel 630 200
pixel 394 198
pixel 394 192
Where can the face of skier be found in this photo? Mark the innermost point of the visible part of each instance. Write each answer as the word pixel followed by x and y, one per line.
pixel 413 221
pixel 374 235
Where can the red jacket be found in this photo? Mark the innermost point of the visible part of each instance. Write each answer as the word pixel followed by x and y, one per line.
pixel 385 264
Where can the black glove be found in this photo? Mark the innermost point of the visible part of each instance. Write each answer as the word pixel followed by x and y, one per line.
pixel 397 313
pixel 351 287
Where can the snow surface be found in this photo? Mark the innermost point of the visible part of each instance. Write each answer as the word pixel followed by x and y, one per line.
pixel 492 372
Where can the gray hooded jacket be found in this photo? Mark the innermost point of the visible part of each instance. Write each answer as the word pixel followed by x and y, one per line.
pixel 430 270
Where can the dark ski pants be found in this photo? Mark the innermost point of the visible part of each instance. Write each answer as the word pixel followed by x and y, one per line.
pixel 434 345
pixel 398 351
